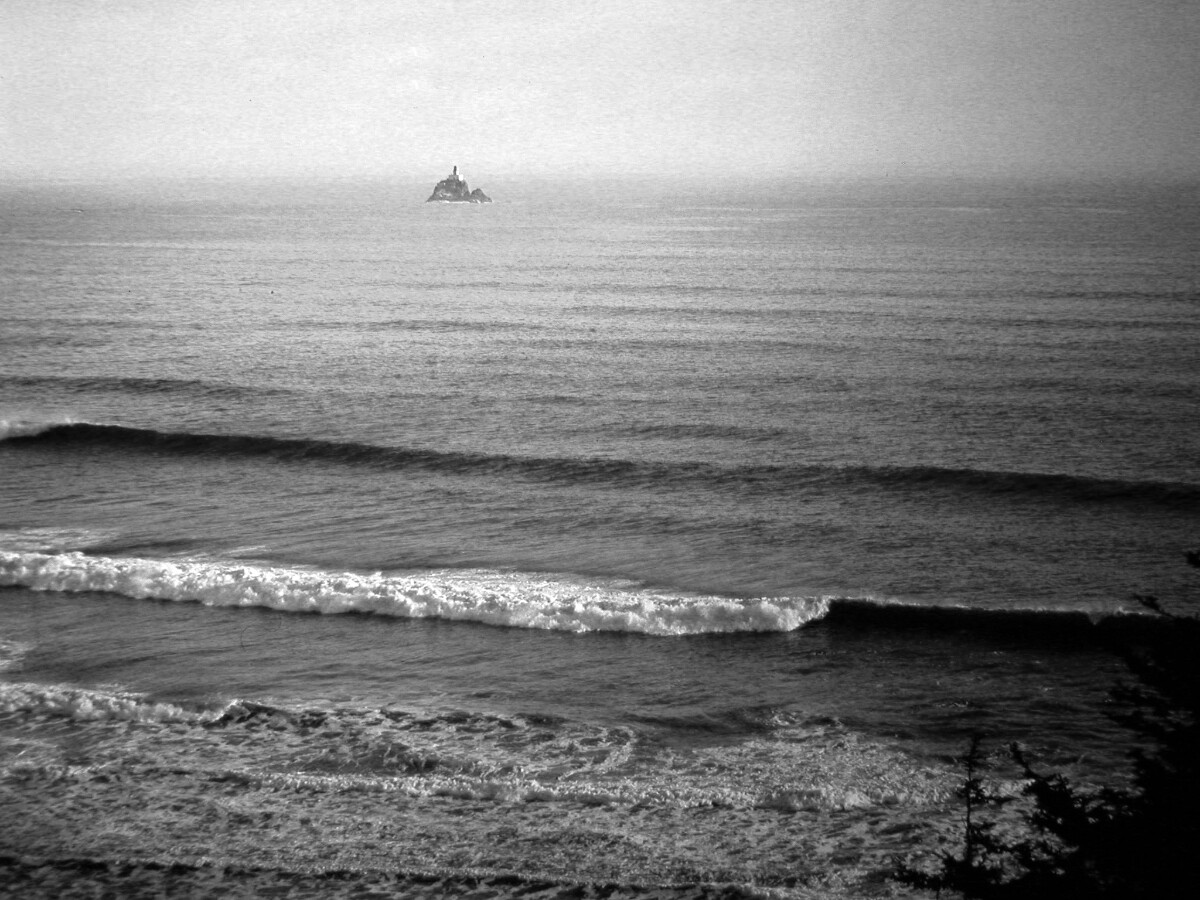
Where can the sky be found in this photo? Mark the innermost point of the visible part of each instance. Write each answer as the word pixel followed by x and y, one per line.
pixel 793 89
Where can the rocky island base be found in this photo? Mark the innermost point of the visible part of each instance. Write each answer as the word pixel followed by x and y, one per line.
pixel 453 189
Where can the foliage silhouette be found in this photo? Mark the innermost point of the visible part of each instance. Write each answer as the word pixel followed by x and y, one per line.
pixel 1079 844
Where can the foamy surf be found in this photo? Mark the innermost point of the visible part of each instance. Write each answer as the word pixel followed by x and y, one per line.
pixel 84 705
pixel 510 599
pixel 465 756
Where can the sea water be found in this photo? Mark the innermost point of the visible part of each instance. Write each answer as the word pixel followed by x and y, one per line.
pixel 638 534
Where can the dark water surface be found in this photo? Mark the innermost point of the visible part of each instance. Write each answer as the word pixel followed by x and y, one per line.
pixel 734 510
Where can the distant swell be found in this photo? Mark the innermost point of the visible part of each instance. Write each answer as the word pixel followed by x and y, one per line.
pixel 103 384
pixel 493 598
pixel 920 479
pixel 1070 487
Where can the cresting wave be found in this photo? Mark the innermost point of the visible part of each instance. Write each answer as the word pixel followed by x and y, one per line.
pixel 15 428
pixel 68 435
pixel 493 598
pixel 526 600
pixel 1027 624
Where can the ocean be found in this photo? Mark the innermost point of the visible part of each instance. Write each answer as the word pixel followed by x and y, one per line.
pixel 635 538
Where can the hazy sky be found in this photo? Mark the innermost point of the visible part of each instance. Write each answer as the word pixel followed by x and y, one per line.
pixel 791 88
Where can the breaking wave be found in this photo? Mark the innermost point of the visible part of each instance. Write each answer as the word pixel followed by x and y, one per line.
pixel 526 600
pixel 494 598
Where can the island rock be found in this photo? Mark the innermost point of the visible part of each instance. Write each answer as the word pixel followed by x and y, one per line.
pixel 453 189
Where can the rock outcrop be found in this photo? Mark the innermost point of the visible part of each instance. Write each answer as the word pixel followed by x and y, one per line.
pixel 453 189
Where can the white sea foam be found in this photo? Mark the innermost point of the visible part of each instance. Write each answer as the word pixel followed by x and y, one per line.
pixel 18 425
pixel 53 540
pixel 362 752
pixel 838 771
pixel 12 652
pixel 495 598
pixel 79 704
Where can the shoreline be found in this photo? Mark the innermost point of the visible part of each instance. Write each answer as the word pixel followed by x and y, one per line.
pixel 159 834
pixel 56 878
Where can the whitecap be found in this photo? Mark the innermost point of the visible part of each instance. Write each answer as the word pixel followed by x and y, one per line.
pixel 511 599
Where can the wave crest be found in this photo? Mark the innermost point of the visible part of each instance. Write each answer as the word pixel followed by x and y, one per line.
pixel 494 598
pixel 17 428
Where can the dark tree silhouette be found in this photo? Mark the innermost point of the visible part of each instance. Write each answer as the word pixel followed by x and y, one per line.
pixel 1140 842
